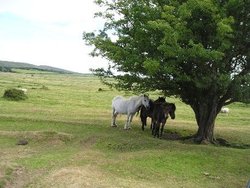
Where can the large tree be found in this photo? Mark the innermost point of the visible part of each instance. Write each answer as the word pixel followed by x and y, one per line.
pixel 197 50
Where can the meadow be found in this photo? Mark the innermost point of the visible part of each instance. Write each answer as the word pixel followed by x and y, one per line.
pixel 66 121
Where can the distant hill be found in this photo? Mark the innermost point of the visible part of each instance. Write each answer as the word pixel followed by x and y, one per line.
pixel 7 66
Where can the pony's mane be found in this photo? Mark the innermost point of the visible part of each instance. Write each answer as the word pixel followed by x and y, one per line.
pixel 135 97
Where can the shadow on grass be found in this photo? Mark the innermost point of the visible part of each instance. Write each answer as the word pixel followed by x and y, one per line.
pixel 175 136
pixel 172 135
pixel 225 143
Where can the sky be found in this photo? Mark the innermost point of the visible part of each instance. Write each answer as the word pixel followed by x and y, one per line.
pixel 49 32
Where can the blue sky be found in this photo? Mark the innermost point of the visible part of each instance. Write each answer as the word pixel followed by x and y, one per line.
pixel 48 32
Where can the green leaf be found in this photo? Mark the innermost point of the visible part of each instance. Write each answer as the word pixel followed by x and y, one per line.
pixel 151 66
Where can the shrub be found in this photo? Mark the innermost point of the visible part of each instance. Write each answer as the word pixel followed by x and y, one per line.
pixel 15 94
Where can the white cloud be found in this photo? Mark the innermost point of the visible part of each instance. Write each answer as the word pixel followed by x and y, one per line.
pixel 48 32
pixel 50 10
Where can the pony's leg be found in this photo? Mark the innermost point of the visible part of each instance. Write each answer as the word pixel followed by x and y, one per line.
pixel 151 125
pixel 162 128
pixel 157 129
pixel 114 115
pixel 153 128
pixel 128 122
pixel 143 122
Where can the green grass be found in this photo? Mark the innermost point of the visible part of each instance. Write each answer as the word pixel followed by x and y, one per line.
pixel 66 121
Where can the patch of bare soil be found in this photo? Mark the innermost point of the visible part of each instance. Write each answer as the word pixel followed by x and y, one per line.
pixel 1 173
pixel 87 176
pixel 20 177
pixel 15 180
pixel 15 176
pixel 12 175
pixel 88 142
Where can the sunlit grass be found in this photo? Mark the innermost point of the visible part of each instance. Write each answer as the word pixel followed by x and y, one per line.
pixel 66 121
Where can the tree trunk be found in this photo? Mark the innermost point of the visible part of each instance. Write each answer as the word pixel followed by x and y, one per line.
pixel 205 114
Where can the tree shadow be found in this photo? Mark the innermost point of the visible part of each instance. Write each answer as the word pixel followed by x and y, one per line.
pixel 171 135
pixel 220 142
pixel 225 143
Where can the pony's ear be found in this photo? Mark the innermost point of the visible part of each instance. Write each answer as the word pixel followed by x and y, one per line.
pixel 145 95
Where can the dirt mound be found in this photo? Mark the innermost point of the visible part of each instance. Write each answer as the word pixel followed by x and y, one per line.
pixel 25 137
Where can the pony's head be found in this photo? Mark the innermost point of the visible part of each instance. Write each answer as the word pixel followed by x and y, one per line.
pixel 172 109
pixel 145 101
pixel 169 108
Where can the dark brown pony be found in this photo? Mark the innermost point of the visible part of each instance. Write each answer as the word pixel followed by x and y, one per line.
pixel 148 112
pixel 160 115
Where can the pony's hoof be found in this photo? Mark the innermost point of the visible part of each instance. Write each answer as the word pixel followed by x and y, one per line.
pixel 113 125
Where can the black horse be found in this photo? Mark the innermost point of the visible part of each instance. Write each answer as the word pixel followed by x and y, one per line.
pixel 160 116
pixel 148 112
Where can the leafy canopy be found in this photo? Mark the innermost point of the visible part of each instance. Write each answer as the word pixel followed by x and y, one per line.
pixel 188 48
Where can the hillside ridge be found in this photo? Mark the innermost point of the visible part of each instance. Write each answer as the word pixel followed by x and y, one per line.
pixel 7 66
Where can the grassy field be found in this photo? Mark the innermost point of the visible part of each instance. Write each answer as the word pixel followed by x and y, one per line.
pixel 66 121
